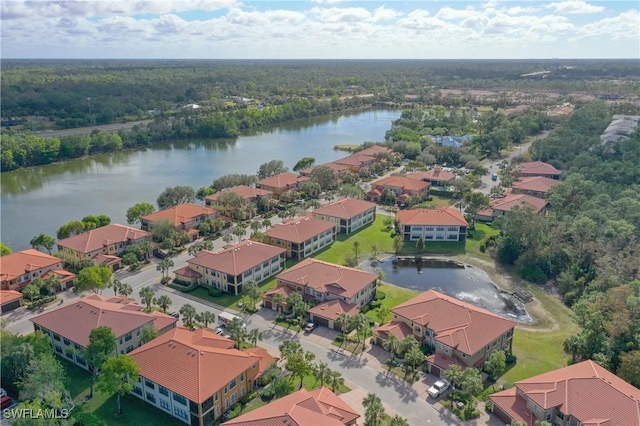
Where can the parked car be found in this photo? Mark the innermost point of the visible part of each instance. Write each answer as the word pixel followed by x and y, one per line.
pixel 5 402
pixel 219 330
pixel 494 177
pixel 175 314
pixel 438 388
pixel 3 392
pixel 227 336
pixel 309 327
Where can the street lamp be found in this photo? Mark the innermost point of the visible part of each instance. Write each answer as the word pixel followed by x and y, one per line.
pixel 90 115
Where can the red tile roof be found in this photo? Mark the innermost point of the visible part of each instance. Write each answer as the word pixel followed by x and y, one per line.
pixel 237 258
pixel 7 296
pixel 357 159
pixel 202 362
pixel 64 275
pixel 180 214
pixel 443 361
pixel 337 168
pixel 398 329
pixel 436 174
pixel 510 201
pixel 106 259
pixel 320 407
pixel 244 191
pixel 299 230
pixel 328 278
pixel 282 180
pixel 375 149
pixel 283 290
pixel 535 183
pixel 538 168
pixel 266 359
pixel 21 262
pixel 331 309
pixel 345 208
pixel 98 238
pixel 586 391
pixel 75 320
pixel 185 271
pixel 433 217
pixel 406 183
pixel 455 323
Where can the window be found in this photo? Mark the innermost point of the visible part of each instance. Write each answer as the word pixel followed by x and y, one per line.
pixel 138 332
pixel 179 398
pixel 180 413
pixel 225 389
pixel 440 228
pixel 247 273
pixel 56 337
pixel 58 349
pixel 164 391
pixel 149 384
pixel 66 342
pixel 129 348
pixel 242 377
pixel 453 228
pixel 217 411
pixel 265 264
pixel 233 384
pixel 216 396
pixel 151 397
pixel 137 390
pixel 128 337
pixel 165 404
pixel 234 398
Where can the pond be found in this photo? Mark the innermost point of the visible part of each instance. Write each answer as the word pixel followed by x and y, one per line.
pixel 464 282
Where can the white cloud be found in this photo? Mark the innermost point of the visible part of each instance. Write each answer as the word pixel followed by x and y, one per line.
pixel 573 7
pixel 450 13
pixel 341 14
pixel 385 14
pixel 624 26
pixel 517 10
pixel 327 1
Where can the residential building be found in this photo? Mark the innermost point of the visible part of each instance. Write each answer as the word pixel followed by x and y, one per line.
pixel 336 168
pixel 70 325
pixel 319 407
pixel 194 376
pixel 457 332
pixel 536 186
pixel 322 281
pixel 502 206
pixel 10 300
pixel 251 195
pixel 302 237
pixel 111 240
pixel 350 214
pixel 432 224
pixel 19 268
pixel 228 269
pixel 327 313
pixel 538 168
pixel 375 149
pixel 356 162
pixel 580 394
pixel 436 176
pixel 403 187
pixel 184 217
pixel 281 183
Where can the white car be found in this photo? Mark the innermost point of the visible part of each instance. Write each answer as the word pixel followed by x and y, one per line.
pixel 309 328
pixel 219 330
pixel 438 388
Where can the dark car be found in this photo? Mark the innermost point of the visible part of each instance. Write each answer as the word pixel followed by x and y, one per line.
pixel 175 314
pixel 6 402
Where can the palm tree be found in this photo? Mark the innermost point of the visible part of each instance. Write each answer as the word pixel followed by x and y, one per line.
pixel 414 356
pixel 410 342
pixel 335 380
pixel 344 321
pixel 382 314
pixel 117 285
pixel 147 249
pixel 398 421
pixel 472 385
pixel 164 267
pixel 356 246
pixel 164 302
pixel 188 313
pixel 53 282
pixel 207 245
pixel 374 249
pixel 227 238
pixel 266 224
pixel 206 318
pixel 125 289
pixel 240 231
pixel 322 372
pixel 374 411
pixel 454 375
pixel 393 345
pixel 279 301
pixel 313 204
pixel 255 226
pixel 146 295
pixel 254 335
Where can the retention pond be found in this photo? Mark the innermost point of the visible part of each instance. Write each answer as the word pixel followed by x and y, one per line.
pixel 464 282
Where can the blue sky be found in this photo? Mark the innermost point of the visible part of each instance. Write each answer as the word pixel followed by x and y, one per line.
pixel 217 29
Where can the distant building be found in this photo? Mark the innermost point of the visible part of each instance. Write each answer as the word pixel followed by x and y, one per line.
pixel 282 183
pixel 432 224
pixel 402 186
pixel 19 268
pixel 10 300
pixel 301 237
pixel 538 168
pixel 536 186
pixel 436 176
pixel 252 196
pixel 620 129
pixel 184 217
pixel 452 141
pixel 502 206
pixel 350 214
pixel 70 325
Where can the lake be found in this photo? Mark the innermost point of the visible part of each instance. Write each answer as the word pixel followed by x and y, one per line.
pixel 40 199
pixel 464 282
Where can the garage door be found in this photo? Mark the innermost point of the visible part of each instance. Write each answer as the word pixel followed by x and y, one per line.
pixel 321 321
pixel 436 371
pixel 267 304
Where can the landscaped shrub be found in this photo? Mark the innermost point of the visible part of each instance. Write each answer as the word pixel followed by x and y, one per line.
pixel 235 412
pixel 84 418
pixel 483 248
pixel 511 359
pixel 365 309
pixel 40 302
pixel 533 273
pixel 380 295
pixel 215 292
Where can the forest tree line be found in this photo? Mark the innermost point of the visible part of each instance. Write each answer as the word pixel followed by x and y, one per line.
pixel 588 243
pixel 59 90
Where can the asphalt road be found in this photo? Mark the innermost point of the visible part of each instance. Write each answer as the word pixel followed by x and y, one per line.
pixel 86 130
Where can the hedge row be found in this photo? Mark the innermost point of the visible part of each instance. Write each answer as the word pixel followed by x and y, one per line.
pixel 40 302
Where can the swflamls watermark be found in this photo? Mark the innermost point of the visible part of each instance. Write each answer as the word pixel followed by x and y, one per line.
pixel 30 413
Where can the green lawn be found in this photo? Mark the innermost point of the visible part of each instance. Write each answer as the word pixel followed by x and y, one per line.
pixel 472 245
pixel 394 296
pixel 540 351
pixel 286 323
pixel 373 233
pixel 135 412
pixel 229 300
pixel 309 382
pixel 352 345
